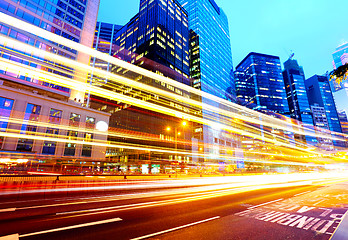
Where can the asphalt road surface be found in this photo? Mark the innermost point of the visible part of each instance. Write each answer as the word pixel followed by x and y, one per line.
pixel 291 209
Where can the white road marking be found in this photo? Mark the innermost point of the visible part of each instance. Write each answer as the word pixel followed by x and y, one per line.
pixel 7 210
pixel 301 193
pixel 176 228
pixel 341 232
pixel 265 203
pixel 73 227
pixel 10 237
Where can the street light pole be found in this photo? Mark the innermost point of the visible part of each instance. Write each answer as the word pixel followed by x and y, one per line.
pixel 176 133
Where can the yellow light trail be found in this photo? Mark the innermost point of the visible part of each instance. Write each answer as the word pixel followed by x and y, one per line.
pixel 154 90
pixel 7 65
pixel 81 48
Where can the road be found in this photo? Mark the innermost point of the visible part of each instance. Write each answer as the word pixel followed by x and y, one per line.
pixel 237 208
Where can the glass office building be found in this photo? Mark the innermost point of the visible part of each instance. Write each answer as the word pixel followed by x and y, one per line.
pixel 339 85
pixel 104 41
pixel 260 84
pixel 294 80
pixel 158 32
pixel 320 94
pixel 209 22
pixel 73 19
pixel 340 56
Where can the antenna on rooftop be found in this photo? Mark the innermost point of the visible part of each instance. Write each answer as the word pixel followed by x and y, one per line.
pixel 291 55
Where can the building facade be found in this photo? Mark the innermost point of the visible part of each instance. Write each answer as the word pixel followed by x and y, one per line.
pixel 342 115
pixel 320 121
pixel 260 84
pixel 294 80
pixel 53 118
pixel 339 84
pixel 159 32
pixel 104 41
pixel 210 32
pixel 74 20
pixel 340 56
pixel 319 92
pixel 211 64
pixel 43 112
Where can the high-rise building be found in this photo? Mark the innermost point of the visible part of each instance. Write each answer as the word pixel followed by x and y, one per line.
pixel 342 115
pixel 159 32
pixel 211 62
pixel 212 46
pixel 319 92
pixel 104 41
pixel 74 20
pixel 294 80
pixel 320 121
pixel 26 98
pixel 260 84
pixel 339 81
pixel 340 55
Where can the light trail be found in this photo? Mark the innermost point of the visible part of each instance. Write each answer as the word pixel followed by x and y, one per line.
pixel 236 120
pixel 7 65
pixel 144 87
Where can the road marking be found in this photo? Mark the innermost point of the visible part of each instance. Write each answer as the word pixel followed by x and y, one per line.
pixel 106 208
pixel 176 228
pixel 301 193
pixel 7 210
pixel 341 232
pixel 73 227
pixel 10 237
pixel 265 203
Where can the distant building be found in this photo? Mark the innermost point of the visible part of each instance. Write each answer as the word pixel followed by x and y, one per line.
pixel 340 56
pixel 339 81
pixel 320 121
pixel 260 84
pixel 294 80
pixel 319 92
pixel 104 41
pixel 342 115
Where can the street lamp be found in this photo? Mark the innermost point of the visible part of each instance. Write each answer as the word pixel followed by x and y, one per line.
pixel 183 124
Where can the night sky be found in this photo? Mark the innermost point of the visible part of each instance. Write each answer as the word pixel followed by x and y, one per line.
pixel 312 29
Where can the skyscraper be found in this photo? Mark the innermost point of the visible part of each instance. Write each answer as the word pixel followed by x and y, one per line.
pixel 260 84
pixel 294 80
pixel 159 32
pixel 211 61
pixel 342 115
pixel 104 41
pixel 339 81
pixel 210 26
pixel 340 56
pixel 320 121
pixel 319 92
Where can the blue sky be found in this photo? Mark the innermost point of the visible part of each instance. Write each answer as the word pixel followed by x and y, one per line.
pixel 312 29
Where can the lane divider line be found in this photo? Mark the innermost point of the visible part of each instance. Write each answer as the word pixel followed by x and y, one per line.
pixel 176 228
pixel 73 227
pixel 265 203
pixel 7 210
pixel 10 237
pixel 301 193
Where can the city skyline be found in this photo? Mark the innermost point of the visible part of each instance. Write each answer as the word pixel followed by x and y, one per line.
pixel 274 30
